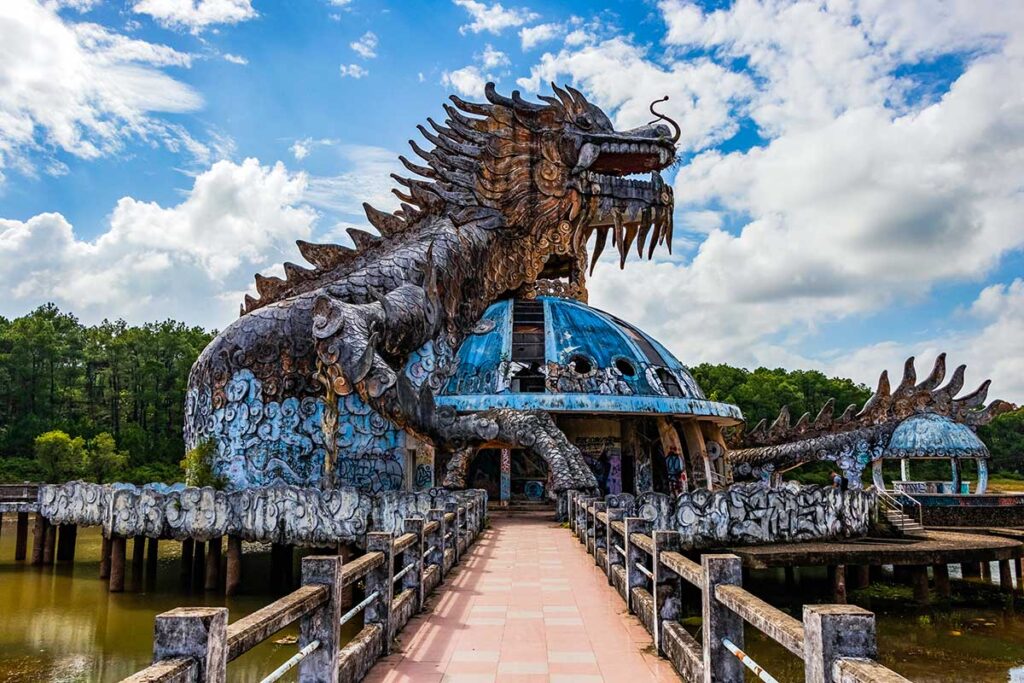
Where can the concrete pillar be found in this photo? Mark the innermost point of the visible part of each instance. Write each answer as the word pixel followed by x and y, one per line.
pixel 612 556
pixel 152 556
pixel 38 539
pixel 213 564
pixel 1005 579
pixel 505 476
pixel 667 594
pixel 105 558
pixel 839 583
pixel 790 578
pixel 1019 566
pixel 233 573
pixel 198 633
pixel 21 537
pixel 414 554
pixel 698 450
pixel 380 580
pixel 188 549
pixel 719 622
pixel 670 445
pixel 435 540
pixel 49 544
pixel 941 574
pixel 634 555
pixel 66 540
pixel 198 565
pixel 862 576
pixel 834 631
pixel 905 469
pixel 956 477
pixel 138 557
pixel 970 569
pixel 323 623
pixel 919 581
pixel 986 572
pixel 117 557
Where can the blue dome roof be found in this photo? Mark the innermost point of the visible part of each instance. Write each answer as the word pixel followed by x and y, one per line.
pixel 563 356
pixel 932 436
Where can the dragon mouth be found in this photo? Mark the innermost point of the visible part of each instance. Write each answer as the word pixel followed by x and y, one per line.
pixel 629 209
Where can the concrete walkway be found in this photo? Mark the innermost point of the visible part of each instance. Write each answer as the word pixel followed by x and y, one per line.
pixel 525 604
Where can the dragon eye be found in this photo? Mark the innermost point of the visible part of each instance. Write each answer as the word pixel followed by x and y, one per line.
pixel 584 121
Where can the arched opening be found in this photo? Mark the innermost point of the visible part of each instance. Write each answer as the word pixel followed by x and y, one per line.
pixel 527 475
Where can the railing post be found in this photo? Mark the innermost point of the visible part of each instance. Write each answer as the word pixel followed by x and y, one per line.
pixel 380 580
pixel 454 508
pixel 436 539
pixel 720 666
pixel 634 577
pixel 571 510
pixel 323 623
pixel 600 540
pixel 198 633
pixel 414 579
pixel 581 519
pixel 832 632
pixel 612 556
pixel 666 584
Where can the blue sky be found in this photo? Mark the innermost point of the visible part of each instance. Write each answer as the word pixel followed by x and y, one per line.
pixel 851 191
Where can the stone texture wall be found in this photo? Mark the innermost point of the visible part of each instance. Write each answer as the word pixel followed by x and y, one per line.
pixel 275 514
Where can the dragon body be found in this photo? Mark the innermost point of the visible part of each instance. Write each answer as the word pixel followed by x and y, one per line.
pixel 332 369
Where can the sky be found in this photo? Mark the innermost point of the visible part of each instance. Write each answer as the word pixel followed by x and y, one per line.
pixel 850 191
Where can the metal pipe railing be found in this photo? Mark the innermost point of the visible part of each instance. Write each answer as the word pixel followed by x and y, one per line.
pixel 291 663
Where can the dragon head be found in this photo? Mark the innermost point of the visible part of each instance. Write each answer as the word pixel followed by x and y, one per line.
pixel 546 171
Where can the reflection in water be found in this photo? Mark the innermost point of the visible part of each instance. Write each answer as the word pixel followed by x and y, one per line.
pixel 61 624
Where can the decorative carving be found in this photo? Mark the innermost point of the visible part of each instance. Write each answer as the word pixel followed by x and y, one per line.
pixel 509 188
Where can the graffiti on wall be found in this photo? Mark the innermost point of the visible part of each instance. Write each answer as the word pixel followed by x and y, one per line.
pixel 603 455
pixel 506 473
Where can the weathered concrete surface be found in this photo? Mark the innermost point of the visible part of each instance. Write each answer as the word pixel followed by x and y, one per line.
pixel 834 631
pixel 250 630
pixel 719 621
pixel 683 651
pixel 199 633
pixel 775 623
pixel 854 670
pixel 933 547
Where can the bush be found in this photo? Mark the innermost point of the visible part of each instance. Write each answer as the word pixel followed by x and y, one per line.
pixel 18 470
pixel 198 466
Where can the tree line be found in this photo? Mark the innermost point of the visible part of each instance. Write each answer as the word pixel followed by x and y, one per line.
pixel 105 402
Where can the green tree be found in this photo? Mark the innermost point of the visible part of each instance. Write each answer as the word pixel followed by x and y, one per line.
pixel 59 455
pixel 1004 437
pixel 101 461
pixel 197 466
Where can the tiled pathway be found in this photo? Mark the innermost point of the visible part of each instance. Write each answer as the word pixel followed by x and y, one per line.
pixel 525 604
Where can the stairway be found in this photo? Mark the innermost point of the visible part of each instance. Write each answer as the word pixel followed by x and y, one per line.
pixel 904 523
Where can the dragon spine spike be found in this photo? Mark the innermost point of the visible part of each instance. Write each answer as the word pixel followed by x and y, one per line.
pixel 975 398
pixel 362 239
pixel 877 399
pixel 909 377
pixel 848 415
pixel 386 223
pixel 470 107
pixel 824 416
pixel 781 423
pixel 803 422
pixel 936 376
pixel 956 383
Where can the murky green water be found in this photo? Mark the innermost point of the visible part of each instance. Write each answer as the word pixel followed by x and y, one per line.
pixel 61 624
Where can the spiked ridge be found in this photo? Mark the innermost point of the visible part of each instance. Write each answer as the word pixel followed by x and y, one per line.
pixel 521 168
pixel 885 406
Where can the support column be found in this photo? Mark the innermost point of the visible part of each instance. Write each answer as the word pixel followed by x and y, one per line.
pixel 138 557
pixel 198 564
pixel 832 632
pixel 38 539
pixel 188 550
pixel 424 475
pixel 105 558
pixel 49 544
pixel 643 474
pixel 941 574
pixel 956 476
pixel 862 577
pixel 152 556
pixel 919 581
pixel 233 574
pixel 1005 579
pixel 117 557
pixel 21 537
pixel 213 564
pixel 839 584
pixel 506 476
pixel 790 577
pixel 698 450
pixel 986 572
pixel 66 539
pixel 970 569
pixel 719 621
pixel 672 447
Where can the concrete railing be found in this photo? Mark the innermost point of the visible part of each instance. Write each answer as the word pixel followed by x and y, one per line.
pixel 398 572
pixel 836 642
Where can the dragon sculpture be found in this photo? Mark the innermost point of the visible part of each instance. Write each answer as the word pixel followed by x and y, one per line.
pixel 860 436
pixel 357 346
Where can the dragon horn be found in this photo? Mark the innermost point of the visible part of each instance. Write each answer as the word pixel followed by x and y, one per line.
pixel 470 107
pixel 956 383
pixel 675 126
pixel 879 398
pixel 909 377
pixel 494 98
pixel 565 98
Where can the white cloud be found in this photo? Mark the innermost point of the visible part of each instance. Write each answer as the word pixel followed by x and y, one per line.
pixel 83 89
pixel 235 59
pixel 618 76
pixel 493 18
pixel 366 179
pixel 352 71
pixel 196 15
pixel 468 81
pixel 532 36
pixel 492 59
pixel 366 46
pixel 301 149
pixel 154 262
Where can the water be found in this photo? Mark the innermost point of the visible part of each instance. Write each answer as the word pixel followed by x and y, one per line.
pixel 61 624
pixel 978 637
